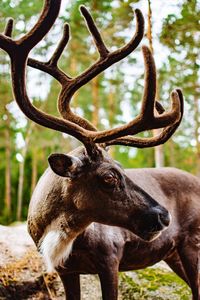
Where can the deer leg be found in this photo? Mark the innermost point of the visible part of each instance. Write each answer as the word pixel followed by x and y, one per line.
pixel 189 256
pixel 109 283
pixel 71 283
pixel 174 262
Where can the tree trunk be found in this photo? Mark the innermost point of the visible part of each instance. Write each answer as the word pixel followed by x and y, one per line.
pixel 95 100
pixel 172 160
pixel 21 174
pixel 111 107
pixel 8 167
pixel 73 68
pixel 197 126
pixel 34 171
pixel 111 114
pixel 20 189
pixel 159 151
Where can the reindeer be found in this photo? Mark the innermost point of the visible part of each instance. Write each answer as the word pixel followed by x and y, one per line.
pixel 106 250
pixel 87 185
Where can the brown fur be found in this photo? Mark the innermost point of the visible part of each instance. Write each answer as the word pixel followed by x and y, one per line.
pixel 73 203
pixel 104 250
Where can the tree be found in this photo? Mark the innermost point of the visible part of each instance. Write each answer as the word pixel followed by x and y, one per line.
pixel 22 13
pixel 159 151
pixel 183 64
pixel 7 134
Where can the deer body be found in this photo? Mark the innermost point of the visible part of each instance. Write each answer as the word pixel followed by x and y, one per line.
pixel 105 250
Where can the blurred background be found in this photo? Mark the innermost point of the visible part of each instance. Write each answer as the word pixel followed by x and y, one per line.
pixel 172 30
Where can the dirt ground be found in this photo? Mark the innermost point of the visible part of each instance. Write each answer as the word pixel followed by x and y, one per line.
pixel 22 272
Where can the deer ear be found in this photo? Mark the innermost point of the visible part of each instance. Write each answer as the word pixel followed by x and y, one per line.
pixel 64 165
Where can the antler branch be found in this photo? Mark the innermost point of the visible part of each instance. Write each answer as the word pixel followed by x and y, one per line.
pixel 146 120
pixel 70 86
pixel 9 27
pixel 72 124
pixel 103 51
pixel 161 138
pixel 51 67
pixel 18 51
pixel 46 20
pixel 61 46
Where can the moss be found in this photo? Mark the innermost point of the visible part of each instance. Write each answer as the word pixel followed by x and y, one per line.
pixel 151 283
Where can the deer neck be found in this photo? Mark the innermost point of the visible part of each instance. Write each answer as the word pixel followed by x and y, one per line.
pixel 64 223
pixel 57 240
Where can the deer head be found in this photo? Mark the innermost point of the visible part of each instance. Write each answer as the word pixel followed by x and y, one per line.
pixel 88 185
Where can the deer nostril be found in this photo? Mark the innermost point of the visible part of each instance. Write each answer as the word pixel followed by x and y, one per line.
pixel 164 218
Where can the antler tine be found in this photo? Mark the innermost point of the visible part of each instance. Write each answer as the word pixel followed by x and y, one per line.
pixel 103 51
pixel 134 42
pixel 160 109
pixel 149 93
pixel 9 27
pixel 61 46
pixel 164 135
pixel 51 66
pixel 171 116
pixel 46 20
pixel 148 101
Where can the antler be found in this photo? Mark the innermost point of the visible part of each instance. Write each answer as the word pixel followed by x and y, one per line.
pixel 161 138
pixel 71 85
pixel 72 124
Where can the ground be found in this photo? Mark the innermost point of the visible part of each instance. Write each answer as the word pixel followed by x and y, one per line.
pixel 22 275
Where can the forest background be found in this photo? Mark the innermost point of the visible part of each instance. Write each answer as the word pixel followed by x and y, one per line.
pixel 111 99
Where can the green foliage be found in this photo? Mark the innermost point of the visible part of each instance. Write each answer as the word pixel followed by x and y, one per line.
pixel 134 158
pixel 182 69
pixel 21 10
pixel 153 283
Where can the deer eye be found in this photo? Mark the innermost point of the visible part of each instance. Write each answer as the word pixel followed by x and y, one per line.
pixel 110 179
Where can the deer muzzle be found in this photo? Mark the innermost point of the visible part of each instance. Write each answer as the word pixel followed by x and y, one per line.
pixel 151 223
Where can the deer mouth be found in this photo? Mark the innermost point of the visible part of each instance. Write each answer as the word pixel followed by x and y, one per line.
pixel 149 226
pixel 149 236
